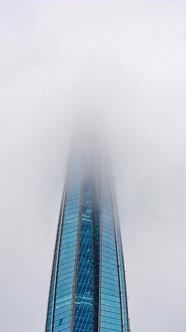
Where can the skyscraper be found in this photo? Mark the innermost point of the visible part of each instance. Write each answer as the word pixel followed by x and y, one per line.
pixel 88 287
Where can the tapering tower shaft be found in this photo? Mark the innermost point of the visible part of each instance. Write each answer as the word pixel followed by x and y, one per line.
pixel 88 286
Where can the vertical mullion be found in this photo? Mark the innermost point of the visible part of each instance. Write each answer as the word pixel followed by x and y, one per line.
pixel 125 285
pixel 58 246
pixel 100 192
pixel 94 258
pixel 118 263
pixel 76 259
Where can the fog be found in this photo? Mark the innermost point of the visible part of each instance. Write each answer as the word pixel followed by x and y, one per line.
pixel 119 67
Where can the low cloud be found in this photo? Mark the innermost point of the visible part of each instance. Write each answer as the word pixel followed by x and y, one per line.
pixel 121 66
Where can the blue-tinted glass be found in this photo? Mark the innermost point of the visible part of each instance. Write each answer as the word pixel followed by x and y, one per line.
pixel 96 229
pixel 83 314
pixel 88 287
pixel 60 300
pixel 123 283
pixel 53 278
pixel 110 310
pixel 66 262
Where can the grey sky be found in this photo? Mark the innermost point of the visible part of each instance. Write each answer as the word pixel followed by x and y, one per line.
pixel 121 64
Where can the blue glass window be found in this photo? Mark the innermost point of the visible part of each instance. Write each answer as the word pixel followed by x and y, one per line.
pixel 88 286
pixel 83 313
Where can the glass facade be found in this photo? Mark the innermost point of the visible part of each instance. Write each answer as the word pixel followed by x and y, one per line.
pixel 88 286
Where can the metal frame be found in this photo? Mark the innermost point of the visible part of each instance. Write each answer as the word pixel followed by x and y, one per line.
pixel 100 253
pixel 122 257
pixel 125 285
pixel 117 258
pixel 94 258
pixel 76 260
pixel 56 251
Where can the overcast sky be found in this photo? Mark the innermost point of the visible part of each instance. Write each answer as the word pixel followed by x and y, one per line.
pixel 122 66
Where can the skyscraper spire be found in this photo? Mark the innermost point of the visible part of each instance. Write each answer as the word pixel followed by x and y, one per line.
pixel 88 287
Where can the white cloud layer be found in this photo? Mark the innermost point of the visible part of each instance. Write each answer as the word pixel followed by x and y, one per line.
pixel 120 65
